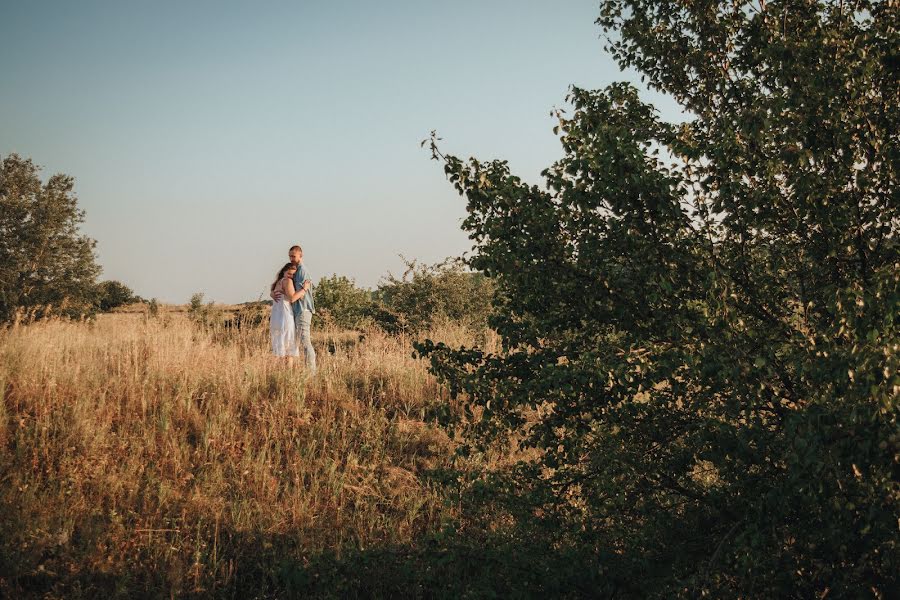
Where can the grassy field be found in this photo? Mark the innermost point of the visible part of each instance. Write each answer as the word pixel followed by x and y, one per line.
pixel 156 457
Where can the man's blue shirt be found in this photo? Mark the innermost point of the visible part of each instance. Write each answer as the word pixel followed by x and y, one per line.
pixel 307 302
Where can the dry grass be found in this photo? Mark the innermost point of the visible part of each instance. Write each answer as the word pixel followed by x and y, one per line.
pixel 167 456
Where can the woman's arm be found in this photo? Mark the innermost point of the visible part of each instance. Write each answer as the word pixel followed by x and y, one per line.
pixel 289 289
pixel 298 294
pixel 302 291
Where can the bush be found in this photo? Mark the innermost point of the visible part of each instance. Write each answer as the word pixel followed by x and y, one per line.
pixel 112 294
pixel 422 296
pixel 340 302
pixel 207 315
pixel 195 305
pixel 427 293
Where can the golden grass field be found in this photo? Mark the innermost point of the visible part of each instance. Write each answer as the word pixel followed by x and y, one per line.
pixel 155 453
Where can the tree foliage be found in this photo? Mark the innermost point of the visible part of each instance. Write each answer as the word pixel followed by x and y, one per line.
pixel 112 294
pixel 700 319
pixel 45 262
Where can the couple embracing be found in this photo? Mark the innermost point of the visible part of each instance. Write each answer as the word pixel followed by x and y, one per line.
pixel 292 310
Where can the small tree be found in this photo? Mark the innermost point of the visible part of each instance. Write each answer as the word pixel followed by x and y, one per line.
pixel 207 315
pixel 703 353
pixel 44 259
pixel 195 305
pixel 113 294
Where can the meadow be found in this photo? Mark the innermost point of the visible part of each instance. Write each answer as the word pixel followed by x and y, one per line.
pixel 163 456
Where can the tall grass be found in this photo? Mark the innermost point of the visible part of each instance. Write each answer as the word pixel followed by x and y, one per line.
pixel 156 456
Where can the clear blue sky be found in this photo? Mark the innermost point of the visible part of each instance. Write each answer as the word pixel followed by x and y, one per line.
pixel 207 137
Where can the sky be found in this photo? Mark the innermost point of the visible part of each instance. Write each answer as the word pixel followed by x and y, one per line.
pixel 207 137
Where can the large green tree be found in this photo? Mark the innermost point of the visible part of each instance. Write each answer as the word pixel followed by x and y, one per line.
pixel 700 319
pixel 45 262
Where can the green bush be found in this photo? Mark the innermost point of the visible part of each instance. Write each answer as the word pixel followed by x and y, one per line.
pixel 204 314
pixel 340 302
pixel 427 293
pixel 423 295
pixel 113 294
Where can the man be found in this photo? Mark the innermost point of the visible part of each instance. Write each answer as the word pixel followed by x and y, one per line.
pixel 303 307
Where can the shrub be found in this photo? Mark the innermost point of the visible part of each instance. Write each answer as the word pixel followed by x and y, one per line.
pixel 427 293
pixel 113 294
pixel 207 315
pixel 341 302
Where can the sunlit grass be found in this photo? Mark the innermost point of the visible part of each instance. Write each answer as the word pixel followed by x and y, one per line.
pixel 174 456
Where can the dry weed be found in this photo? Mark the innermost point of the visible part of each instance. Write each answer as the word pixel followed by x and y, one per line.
pixel 159 447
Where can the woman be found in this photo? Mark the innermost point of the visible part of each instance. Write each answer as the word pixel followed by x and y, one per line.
pixel 281 322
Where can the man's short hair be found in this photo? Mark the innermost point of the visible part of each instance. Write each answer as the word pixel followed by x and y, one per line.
pixel 297 248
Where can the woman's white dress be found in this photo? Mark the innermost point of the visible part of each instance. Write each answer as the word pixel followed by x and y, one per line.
pixel 282 330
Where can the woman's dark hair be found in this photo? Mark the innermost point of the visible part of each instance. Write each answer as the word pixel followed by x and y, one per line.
pixel 281 273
